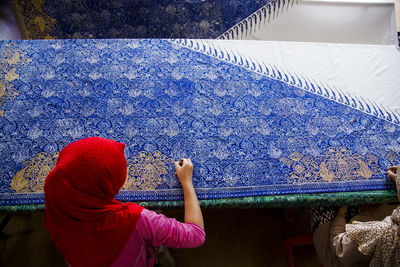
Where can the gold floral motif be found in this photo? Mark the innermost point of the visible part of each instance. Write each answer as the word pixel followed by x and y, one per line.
pixel 145 170
pixel 336 164
pixel 32 21
pixel 304 168
pixel 31 178
pixel 11 59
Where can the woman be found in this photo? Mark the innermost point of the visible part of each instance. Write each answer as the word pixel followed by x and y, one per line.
pixel 364 241
pixel 91 228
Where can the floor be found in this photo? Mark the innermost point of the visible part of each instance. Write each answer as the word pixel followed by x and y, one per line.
pixel 235 237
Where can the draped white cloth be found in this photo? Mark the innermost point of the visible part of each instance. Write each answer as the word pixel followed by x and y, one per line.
pixel 356 22
pixel 369 72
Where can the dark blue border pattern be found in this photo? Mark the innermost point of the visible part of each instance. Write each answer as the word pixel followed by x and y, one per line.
pixel 147 18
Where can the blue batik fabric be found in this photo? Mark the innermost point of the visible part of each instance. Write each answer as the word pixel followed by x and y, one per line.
pixel 246 133
pixel 133 18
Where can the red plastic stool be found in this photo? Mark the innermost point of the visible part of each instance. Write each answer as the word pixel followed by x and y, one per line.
pixel 289 243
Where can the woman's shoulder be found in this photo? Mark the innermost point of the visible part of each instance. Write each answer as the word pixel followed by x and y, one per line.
pixel 150 215
pixel 149 218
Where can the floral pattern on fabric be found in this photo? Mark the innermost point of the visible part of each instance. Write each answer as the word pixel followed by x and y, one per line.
pixel 158 97
pixel 130 18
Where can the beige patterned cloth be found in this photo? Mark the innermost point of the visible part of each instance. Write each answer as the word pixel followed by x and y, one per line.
pixel 379 239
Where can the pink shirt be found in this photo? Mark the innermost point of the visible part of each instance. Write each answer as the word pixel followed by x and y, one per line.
pixel 154 229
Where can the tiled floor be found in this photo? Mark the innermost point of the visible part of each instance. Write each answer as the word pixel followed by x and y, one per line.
pixel 235 237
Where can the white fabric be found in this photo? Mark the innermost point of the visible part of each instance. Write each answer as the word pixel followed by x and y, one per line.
pixel 370 72
pixel 8 25
pixel 333 22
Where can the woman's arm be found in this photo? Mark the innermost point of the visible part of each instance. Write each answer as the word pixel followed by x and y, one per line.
pixel 392 173
pixel 184 171
pixel 156 229
pixel 346 249
pixel 338 224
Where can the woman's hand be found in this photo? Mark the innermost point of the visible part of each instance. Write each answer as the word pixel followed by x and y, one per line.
pixel 184 171
pixel 392 172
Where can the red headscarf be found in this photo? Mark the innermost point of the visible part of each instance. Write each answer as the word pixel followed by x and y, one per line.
pixel 84 220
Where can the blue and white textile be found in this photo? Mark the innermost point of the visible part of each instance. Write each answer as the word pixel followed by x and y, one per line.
pixel 131 18
pixel 249 128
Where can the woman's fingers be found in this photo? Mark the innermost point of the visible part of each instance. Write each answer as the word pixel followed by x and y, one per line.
pixel 186 162
pixel 182 162
pixel 391 174
pixel 393 169
pixel 177 165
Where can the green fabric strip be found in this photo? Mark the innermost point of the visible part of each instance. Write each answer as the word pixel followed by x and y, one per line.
pixel 276 201
pixel 294 200
pixel 21 208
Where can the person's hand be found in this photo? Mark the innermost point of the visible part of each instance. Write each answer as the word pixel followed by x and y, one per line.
pixel 341 212
pixel 392 172
pixel 184 170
